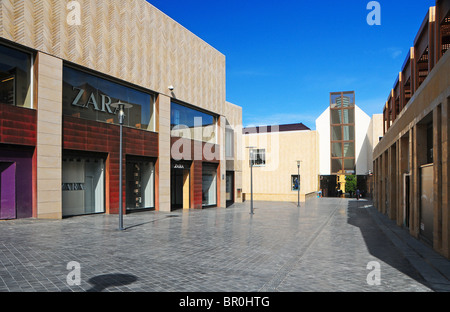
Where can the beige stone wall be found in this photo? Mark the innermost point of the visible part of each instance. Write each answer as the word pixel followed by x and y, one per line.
pixel 403 151
pixel 233 115
pixel 163 127
pixel 283 149
pixel 49 136
pixel 130 40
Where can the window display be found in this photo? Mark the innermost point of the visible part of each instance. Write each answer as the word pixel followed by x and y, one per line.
pixel 140 185
pixel 209 185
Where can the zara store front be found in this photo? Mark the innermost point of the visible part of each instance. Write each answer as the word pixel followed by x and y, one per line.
pixel 91 139
pixel 195 158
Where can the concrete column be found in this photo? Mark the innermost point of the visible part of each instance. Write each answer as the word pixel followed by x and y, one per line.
pixel 384 207
pixel 419 158
pixel 392 182
pixel 163 166
pixel 49 136
pixel 412 172
pixel 399 183
pixel 380 183
pixel 223 169
pixel 437 178
pixel 403 168
pixel 375 182
pixel 445 179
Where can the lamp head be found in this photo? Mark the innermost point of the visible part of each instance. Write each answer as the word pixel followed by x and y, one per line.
pixel 121 106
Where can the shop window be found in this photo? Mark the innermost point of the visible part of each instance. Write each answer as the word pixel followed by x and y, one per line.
pixel 192 124
pixel 89 97
pixel 209 185
pixel 15 77
pixel 83 188
pixel 140 185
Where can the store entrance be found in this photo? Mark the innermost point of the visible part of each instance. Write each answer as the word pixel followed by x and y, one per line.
pixel 7 190
pixel 180 185
pixel 83 187
pixel 230 188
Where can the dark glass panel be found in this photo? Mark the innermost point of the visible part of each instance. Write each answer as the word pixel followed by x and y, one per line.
pixel 349 150
pixel 336 116
pixel 349 165
pixel 349 116
pixel 336 150
pixel 15 77
pixel 336 165
pixel 349 133
pixel 336 133
pixel 89 97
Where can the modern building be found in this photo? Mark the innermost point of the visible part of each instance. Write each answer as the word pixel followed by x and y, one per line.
pixel 62 66
pixel 411 162
pixel 274 167
pixel 347 139
pixel 341 145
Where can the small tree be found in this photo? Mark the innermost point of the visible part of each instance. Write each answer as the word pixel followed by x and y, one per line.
pixel 350 184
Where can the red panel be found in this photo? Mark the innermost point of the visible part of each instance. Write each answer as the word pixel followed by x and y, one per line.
pixel 17 125
pixel 197 184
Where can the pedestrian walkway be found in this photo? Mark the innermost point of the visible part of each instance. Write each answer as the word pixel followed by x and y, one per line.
pixel 324 245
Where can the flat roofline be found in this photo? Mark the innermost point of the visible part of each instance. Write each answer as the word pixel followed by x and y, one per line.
pixel 276 128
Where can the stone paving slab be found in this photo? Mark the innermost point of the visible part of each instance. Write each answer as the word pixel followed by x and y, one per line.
pixel 325 245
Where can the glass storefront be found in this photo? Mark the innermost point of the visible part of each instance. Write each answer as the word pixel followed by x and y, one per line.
pixel 83 186
pixel 15 77
pixel 180 185
pixel 140 184
pixel 89 97
pixel 209 185
pixel 192 124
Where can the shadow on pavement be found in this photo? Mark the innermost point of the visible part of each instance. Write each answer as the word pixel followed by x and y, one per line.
pixel 101 282
pixel 378 244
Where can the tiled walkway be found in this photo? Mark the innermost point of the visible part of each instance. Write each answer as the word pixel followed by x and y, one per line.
pixel 325 245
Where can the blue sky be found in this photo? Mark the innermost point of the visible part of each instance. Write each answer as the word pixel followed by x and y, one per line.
pixel 284 57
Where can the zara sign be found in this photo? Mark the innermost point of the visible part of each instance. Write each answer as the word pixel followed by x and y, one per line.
pixel 92 101
pixel 88 96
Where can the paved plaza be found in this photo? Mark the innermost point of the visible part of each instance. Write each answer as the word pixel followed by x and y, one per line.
pixel 325 245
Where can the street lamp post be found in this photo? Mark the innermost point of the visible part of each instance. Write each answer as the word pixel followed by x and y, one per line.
pixel 298 181
pixel 251 155
pixel 121 106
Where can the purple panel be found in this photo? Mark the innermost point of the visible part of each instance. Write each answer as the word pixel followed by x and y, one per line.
pixel 7 190
pixel 22 157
